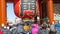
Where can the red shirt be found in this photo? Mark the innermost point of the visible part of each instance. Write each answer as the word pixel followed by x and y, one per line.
pixel 1 32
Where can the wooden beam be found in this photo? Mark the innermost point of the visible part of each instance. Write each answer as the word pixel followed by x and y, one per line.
pixel 10 1
pixel 56 1
pixel 50 11
pixel 40 11
pixel 3 19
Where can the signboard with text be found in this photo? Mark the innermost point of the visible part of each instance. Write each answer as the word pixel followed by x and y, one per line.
pixel 26 8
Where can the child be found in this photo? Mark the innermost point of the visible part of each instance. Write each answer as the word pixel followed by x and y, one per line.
pixel 26 28
pixel 34 28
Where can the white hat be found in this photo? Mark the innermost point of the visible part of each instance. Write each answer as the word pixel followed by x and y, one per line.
pixel 2 25
pixel 52 22
pixel 11 24
pixel 38 18
pixel 7 27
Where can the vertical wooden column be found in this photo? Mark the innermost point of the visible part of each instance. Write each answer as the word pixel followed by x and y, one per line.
pixel 40 11
pixel 3 19
pixel 50 11
pixel 35 19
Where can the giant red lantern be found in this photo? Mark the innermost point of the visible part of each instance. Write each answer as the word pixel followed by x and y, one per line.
pixel 26 8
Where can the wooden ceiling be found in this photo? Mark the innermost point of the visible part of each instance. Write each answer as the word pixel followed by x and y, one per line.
pixel 55 1
pixel 9 1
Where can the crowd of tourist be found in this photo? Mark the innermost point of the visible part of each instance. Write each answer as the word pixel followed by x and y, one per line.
pixel 26 28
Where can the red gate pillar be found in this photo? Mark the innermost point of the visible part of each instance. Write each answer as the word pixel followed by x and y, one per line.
pixel 40 11
pixel 3 19
pixel 50 11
